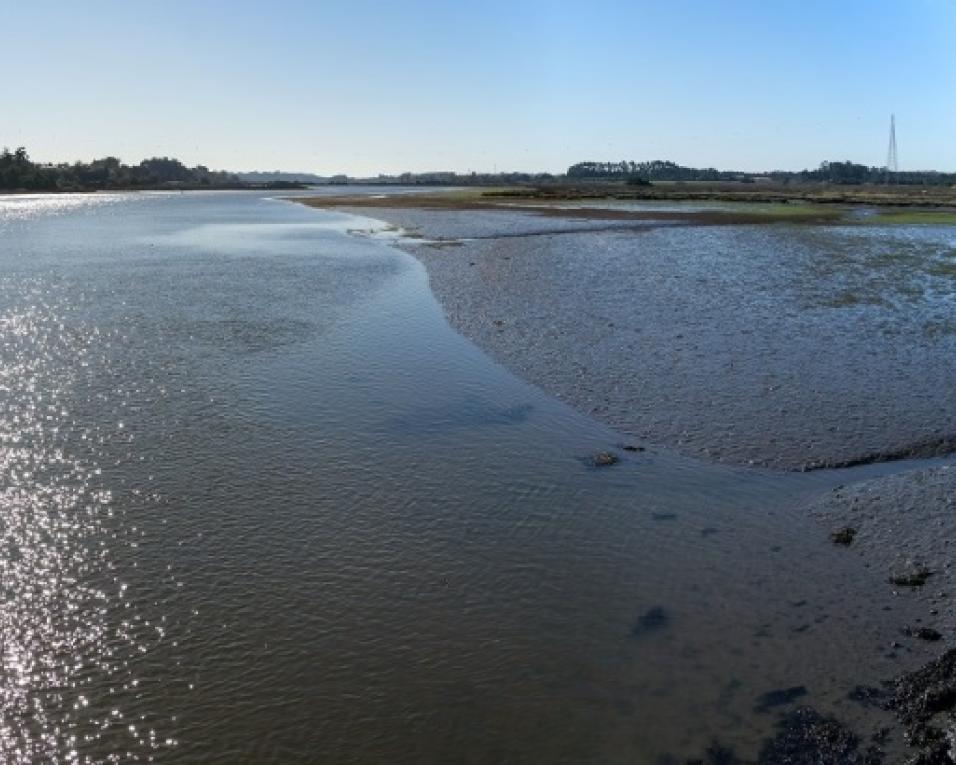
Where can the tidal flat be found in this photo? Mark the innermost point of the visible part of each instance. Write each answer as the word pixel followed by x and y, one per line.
pixel 772 337
pixel 788 345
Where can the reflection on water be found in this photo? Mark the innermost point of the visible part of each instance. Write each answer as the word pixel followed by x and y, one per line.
pixel 261 504
pixel 64 657
pixel 15 207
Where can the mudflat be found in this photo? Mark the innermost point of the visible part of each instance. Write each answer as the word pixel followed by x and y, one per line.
pixel 793 343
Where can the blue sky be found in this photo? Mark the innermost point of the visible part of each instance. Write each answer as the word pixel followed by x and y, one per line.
pixel 365 87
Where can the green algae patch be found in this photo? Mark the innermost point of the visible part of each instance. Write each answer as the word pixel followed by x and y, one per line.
pixel 801 211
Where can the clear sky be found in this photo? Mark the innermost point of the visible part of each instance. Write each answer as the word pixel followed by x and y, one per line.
pixel 365 87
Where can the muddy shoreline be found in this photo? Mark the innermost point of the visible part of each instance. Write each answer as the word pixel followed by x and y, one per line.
pixel 530 287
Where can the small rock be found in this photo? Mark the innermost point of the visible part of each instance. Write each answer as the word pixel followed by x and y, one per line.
pixel 914 578
pixel 924 633
pixel 843 536
pixel 604 459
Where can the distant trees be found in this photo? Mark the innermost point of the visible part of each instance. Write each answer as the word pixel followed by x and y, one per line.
pixel 846 172
pixel 17 172
pixel 450 178
pixel 657 170
pixel 828 172
pixel 851 173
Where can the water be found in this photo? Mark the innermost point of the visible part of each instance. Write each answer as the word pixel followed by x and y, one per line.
pixel 260 503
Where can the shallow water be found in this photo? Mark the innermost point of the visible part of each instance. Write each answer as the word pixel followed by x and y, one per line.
pixel 261 503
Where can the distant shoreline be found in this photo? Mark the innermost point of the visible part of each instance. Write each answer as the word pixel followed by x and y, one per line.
pixel 882 195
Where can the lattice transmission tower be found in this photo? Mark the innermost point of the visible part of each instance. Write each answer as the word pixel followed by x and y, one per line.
pixel 892 165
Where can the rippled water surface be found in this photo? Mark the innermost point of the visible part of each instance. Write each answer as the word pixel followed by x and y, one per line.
pixel 260 503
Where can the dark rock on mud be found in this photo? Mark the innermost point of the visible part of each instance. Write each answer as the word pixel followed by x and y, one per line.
pixel 920 696
pixel 924 633
pixel 604 459
pixel 843 536
pixel 804 737
pixel 915 577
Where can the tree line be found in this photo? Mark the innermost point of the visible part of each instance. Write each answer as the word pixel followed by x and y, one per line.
pixel 19 172
pixel 656 170
pixel 828 172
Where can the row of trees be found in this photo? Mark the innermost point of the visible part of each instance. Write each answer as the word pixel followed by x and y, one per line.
pixel 656 170
pixel 852 173
pixel 18 172
pixel 451 178
pixel 828 172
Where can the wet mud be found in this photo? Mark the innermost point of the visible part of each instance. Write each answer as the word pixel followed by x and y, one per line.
pixel 788 346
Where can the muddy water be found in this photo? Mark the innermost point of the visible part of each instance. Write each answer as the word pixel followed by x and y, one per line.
pixel 261 503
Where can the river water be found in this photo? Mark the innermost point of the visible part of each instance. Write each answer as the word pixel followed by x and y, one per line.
pixel 261 503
